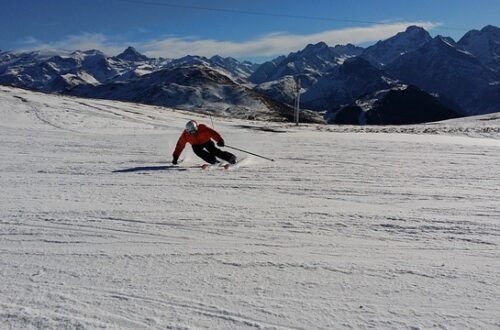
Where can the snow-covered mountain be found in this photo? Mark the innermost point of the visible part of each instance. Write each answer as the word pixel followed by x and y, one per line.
pixel 341 85
pixel 485 45
pixel 441 66
pixel 237 69
pixel 193 87
pixel 345 83
pixel 464 75
pixel 130 54
pixel 56 73
pixel 313 60
pixel 283 89
pixel 386 51
pixel 328 84
pixel 266 69
pixel 93 74
pixel 358 93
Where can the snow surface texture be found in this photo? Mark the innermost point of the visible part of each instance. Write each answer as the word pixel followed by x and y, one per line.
pixel 347 229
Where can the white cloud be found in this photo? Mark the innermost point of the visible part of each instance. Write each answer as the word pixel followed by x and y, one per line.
pixel 83 41
pixel 268 45
pixel 29 41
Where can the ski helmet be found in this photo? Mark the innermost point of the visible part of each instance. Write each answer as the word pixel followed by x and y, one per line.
pixel 192 127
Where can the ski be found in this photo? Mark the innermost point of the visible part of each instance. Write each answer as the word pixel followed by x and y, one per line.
pixel 229 166
pixel 224 166
pixel 208 167
pixel 233 166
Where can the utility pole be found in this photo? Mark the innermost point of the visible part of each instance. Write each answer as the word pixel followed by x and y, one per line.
pixel 297 102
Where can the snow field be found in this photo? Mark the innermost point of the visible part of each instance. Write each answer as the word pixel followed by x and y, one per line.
pixel 345 230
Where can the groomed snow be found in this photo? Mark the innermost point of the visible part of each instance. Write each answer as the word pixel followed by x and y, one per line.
pixel 350 228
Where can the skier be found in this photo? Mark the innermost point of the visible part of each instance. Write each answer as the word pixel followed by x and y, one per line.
pixel 200 137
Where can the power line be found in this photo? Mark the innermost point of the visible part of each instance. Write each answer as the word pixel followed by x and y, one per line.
pixel 258 13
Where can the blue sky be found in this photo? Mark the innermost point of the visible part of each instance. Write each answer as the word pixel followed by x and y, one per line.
pixel 254 30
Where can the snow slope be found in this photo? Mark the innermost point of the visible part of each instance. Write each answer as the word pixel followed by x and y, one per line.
pixel 347 229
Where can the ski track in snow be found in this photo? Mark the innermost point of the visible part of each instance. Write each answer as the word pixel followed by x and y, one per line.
pixel 350 228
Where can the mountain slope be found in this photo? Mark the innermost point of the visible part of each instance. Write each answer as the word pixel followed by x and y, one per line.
pixel 402 105
pixel 485 45
pixel 195 87
pixel 440 66
pixel 312 60
pixel 345 84
pixel 386 51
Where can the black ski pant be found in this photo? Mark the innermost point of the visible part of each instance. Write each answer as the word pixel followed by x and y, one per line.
pixel 208 151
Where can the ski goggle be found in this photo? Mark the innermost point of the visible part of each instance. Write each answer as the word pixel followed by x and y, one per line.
pixel 191 129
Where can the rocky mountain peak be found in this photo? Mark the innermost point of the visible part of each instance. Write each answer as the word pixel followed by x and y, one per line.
pixel 491 29
pixel 131 54
pixel 320 46
pixel 386 51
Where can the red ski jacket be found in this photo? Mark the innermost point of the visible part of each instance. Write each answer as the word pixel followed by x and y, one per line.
pixel 203 135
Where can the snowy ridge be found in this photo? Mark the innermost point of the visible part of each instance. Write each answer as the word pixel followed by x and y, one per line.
pixel 386 51
pixel 311 62
pixel 485 45
pixel 344 230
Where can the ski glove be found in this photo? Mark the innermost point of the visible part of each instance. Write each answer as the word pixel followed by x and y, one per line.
pixel 174 161
pixel 220 143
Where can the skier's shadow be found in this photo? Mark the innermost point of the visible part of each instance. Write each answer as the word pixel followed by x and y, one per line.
pixel 150 168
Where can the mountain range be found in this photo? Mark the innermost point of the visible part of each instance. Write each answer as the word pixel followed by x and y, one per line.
pixel 408 78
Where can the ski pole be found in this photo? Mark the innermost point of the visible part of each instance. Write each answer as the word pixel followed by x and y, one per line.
pixel 211 120
pixel 251 153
